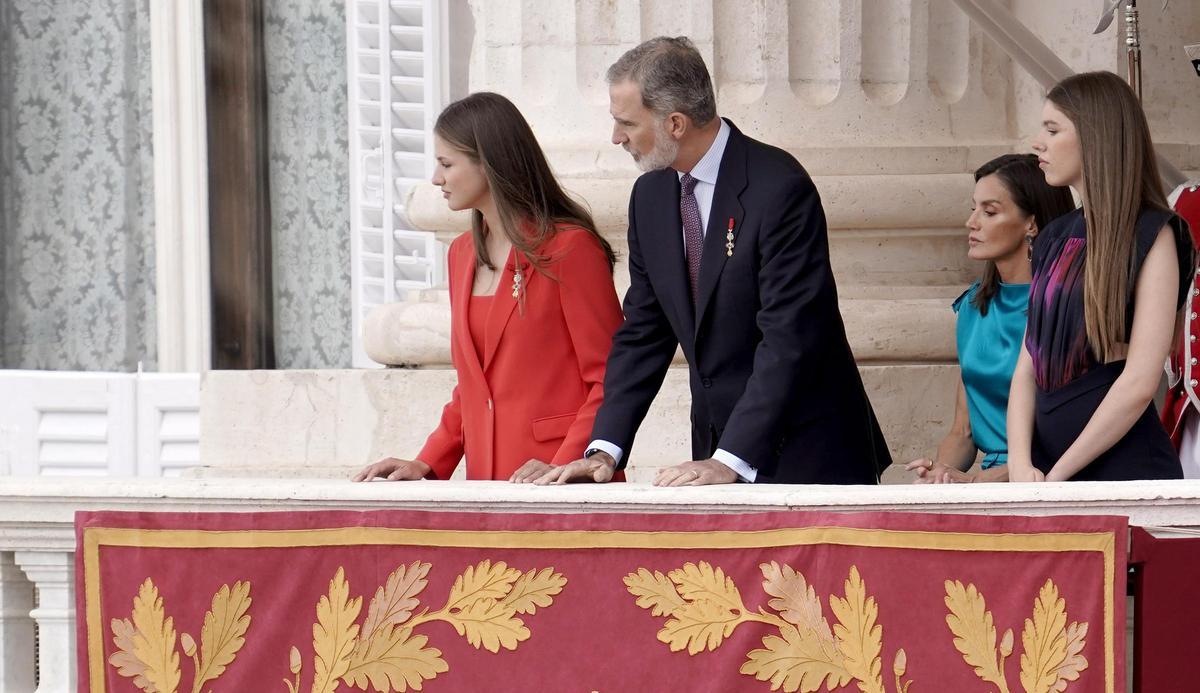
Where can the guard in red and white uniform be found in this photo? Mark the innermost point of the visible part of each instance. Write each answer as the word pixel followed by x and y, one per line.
pixel 1181 410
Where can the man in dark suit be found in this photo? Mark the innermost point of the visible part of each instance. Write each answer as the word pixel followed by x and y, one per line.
pixel 729 258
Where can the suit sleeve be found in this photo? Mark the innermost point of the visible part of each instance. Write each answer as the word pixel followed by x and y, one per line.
pixel 444 447
pixel 798 300
pixel 642 349
pixel 592 314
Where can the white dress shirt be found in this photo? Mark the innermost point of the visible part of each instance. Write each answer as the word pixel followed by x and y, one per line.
pixel 705 172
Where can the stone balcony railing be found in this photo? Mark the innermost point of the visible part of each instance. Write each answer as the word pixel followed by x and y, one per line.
pixel 37 539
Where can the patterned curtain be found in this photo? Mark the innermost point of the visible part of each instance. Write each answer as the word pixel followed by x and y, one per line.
pixel 76 185
pixel 309 152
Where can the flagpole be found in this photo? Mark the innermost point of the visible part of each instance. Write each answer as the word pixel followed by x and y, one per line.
pixel 1133 47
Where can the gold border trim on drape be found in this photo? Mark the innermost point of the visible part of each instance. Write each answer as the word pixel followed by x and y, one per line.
pixel 96 537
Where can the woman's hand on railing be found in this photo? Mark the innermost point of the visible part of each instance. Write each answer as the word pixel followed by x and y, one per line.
pixel 529 471
pixel 1024 472
pixel 393 469
pixel 932 472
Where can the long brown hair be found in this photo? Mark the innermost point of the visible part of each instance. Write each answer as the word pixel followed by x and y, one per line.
pixel 1120 178
pixel 1027 186
pixel 490 130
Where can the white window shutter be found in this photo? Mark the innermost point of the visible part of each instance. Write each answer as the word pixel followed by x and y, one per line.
pixel 168 423
pixel 64 423
pixel 68 423
pixel 395 53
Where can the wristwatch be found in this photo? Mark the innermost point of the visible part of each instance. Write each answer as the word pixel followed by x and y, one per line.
pixel 592 451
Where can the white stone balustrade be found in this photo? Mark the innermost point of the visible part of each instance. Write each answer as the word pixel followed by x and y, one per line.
pixel 53 575
pixel 16 627
pixel 37 522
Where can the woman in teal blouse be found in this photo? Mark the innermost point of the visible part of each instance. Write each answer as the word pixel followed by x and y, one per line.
pixel 1011 202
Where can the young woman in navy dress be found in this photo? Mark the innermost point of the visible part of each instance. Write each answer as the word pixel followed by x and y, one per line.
pixel 1108 280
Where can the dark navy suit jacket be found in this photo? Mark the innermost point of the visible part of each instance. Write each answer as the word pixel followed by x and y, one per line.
pixel 773 380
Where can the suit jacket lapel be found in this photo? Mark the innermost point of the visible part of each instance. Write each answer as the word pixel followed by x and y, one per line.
pixel 503 305
pixel 731 181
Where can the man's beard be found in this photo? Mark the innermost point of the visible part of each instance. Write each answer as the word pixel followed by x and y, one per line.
pixel 662 155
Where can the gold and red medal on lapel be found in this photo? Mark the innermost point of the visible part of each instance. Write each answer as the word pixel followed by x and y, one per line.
pixel 729 239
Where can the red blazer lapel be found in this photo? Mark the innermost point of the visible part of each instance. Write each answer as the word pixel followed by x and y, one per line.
pixel 465 283
pixel 503 305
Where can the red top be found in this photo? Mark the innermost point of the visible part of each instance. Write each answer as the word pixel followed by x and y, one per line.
pixel 477 316
pixel 533 390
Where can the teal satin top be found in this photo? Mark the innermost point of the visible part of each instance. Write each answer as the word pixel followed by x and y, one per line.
pixel 988 346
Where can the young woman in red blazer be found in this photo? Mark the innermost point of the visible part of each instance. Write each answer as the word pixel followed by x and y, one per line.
pixel 532 306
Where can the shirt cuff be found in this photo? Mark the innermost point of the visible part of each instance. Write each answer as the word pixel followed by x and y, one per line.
pixel 605 446
pixel 744 471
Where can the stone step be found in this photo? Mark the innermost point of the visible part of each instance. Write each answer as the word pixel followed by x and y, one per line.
pixel 884 325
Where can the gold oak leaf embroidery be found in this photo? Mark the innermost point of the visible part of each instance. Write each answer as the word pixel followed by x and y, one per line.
pixel 975 633
pixel 1044 641
pixel 1053 650
pixel 388 656
pixel 654 591
pixel 712 608
pixel 534 589
pixel 395 601
pixel 126 662
pixel 859 638
pixel 807 655
pixel 486 580
pixel 490 624
pixel 223 633
pixel 397 660
pixel 334 634
pixel 703 582
pixel 154 640
pixel 797 602
pixel 146 646
pixel 699 625
pixel 706 607
pixel 794 663
pixel 1075 662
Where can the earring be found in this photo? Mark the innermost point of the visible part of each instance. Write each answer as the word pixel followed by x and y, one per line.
pixel 1029 247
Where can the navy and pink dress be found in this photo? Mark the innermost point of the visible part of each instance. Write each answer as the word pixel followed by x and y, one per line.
pixel 1071 381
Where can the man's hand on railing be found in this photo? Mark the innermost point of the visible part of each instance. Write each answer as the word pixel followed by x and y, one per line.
pixel 696 473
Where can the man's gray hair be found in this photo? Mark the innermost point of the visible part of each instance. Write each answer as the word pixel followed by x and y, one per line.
pixel 672 77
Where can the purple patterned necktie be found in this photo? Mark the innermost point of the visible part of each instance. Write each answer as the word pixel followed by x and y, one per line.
pixel 693 233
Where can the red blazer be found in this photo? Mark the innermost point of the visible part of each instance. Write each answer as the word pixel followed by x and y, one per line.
pixel 535 392
pixel 1183 395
